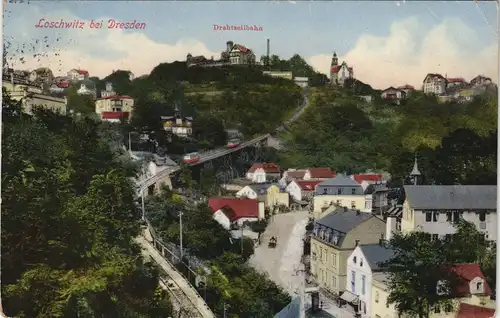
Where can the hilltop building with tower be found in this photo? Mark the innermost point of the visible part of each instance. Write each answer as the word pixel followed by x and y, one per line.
pixel 339 73
pixel 234 54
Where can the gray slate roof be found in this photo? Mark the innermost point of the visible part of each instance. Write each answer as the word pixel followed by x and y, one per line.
pixel 445 197
pixel 261 188
pixel 376 254
pixel 339 180
pixel 344 221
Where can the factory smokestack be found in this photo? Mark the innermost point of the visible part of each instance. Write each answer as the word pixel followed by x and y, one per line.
pixel 268 51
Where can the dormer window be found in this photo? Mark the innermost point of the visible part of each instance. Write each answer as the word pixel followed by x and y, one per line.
pixel 479 286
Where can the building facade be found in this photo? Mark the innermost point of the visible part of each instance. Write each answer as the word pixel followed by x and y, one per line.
pixel 365 260
pixel 78 75
pixel 340 191
pixel 115 103
pixel 177 124
pixel 339 73
pixel 434 84
pixel 334 238
pixel 434 209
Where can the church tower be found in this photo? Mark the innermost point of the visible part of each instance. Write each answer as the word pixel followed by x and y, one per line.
pixel 335 59
pixel 415 173
pixel 333 65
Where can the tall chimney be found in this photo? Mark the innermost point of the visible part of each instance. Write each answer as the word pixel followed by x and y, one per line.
pixel 268 50
pixel 357 242
pixel 390 228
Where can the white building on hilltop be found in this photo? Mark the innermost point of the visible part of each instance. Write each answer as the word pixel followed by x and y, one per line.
pixel 339 73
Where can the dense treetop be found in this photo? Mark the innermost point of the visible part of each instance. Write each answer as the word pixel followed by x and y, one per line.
pixel 341 131
pixel 217 98
pixel 68 222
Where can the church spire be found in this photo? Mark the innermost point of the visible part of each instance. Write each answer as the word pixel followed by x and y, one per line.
pixel 415 173
pixel 335 60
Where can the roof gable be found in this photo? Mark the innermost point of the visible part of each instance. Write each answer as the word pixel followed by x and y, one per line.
pixel 307 185
pixel 340 180
pixel 261 188
pixel 359 178
pixel 242 208
pixel 377 254
pixel 321 173
pixel 344 220
pixel 471 311
pixel 465 274
pixel 433 76
pixel 267 167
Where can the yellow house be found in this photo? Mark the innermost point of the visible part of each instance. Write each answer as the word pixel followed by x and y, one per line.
pixel 473 287
pixel 268 193
pixel 321 203
pixel 334 238
pixel 340 191
pixel 32 96
pixel 115 103
pixel 380 294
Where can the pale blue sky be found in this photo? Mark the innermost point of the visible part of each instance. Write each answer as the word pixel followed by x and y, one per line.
pixel 359 31
pixel 304 27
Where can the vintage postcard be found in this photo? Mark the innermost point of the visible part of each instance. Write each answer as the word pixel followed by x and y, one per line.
pixel 249 159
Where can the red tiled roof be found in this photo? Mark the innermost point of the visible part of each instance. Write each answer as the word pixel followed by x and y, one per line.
pixel 466 273
pixel 391 88
pixel 117 97
pixel 82 72
pixel 367 177
pixel 471 311
pixel 242 48
pixel 409 87
pixel 321 173
pixel 114 115
pixel 434 76
pixel 335 69
pixel 62 84
pixel 267 167
pixel 241 208
pixel 308 185
pixel 295 174
pixel 455 80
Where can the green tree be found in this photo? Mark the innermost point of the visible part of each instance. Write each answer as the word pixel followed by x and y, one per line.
pixel 83 104
pixel 419 263
pixel 414 272
pixel 68 220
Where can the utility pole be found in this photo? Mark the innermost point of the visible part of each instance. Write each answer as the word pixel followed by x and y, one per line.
pixel 180 235
pixel 241 240
pixel 142 205
pixel 129 142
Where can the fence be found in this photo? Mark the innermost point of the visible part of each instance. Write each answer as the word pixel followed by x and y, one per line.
pixel 172 255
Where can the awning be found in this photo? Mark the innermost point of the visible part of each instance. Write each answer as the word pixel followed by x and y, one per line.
pixel 350 297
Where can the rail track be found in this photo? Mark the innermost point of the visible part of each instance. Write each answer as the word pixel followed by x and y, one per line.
pixel 183 304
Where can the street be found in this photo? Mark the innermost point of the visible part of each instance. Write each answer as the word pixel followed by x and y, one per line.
pixel 283 263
